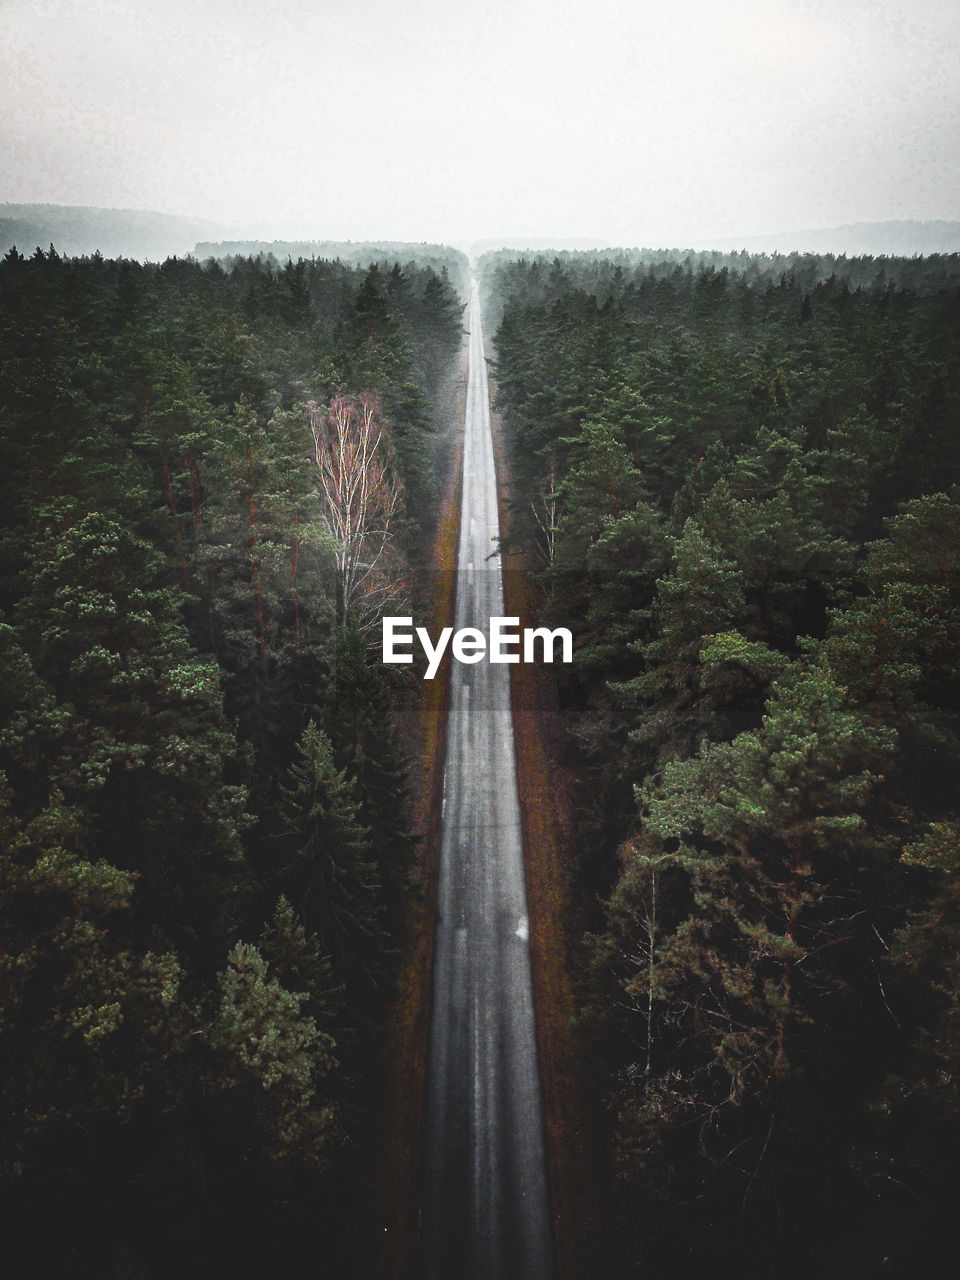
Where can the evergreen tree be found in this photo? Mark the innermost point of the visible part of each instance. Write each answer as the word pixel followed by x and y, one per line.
pixel 137 738
pixel 326 867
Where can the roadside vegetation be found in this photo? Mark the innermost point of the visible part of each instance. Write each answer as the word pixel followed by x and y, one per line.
pixel 208 849
pixel 737 480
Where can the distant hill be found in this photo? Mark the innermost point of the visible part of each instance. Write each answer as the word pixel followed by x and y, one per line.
pixel 75 230
pixel 889 239
pixel 135 233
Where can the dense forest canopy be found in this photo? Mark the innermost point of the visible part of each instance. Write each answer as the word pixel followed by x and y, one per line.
pixel 738 480
pixel 207 849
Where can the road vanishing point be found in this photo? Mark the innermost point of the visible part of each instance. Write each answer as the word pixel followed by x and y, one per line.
pixel 484 1211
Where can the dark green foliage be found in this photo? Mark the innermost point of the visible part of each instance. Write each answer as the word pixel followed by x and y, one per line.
pixel 325 864
pixel 195 911
pixel 137 741
pixel 739 476
pixel 366 747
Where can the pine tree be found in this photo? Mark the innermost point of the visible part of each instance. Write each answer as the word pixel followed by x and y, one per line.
pixel 326 868
pixel 135 735
pixel 743 941
pixel 609 550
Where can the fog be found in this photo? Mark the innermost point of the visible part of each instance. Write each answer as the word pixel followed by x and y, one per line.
pixel 627 121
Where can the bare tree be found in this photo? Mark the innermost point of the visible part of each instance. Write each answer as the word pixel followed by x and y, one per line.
pixel 545 511
pixel 361 498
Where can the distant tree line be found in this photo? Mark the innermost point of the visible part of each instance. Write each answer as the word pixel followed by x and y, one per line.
pixel 206 850
pixel 739 482
pixel 384 254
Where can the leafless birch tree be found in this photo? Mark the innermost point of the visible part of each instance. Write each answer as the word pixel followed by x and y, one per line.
pixel 545 511
pixel 361 499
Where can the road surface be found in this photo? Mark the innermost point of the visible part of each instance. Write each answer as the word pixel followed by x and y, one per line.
pixel 484 1208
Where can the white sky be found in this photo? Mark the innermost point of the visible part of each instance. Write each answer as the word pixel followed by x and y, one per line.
pixel 633 121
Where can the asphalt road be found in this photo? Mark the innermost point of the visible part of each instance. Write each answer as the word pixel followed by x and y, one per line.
pixel 485 1205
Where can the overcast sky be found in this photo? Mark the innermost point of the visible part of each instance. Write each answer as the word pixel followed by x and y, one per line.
pixel 633 121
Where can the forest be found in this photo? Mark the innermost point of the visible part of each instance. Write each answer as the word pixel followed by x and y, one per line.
pixel 736 479
pixel 215 477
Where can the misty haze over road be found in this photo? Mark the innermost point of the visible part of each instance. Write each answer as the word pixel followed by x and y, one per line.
pixel 485 1203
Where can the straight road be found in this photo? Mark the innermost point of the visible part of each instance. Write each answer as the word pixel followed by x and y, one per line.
pixel 484 1209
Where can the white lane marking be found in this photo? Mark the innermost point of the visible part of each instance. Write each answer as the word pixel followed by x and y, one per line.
pixel 523 929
